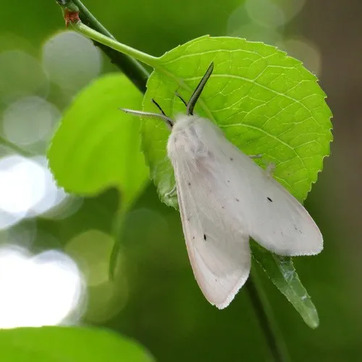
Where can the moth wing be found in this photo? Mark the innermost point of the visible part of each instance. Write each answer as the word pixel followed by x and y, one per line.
pixel 219 253
pixel 282 224
pixel 257 202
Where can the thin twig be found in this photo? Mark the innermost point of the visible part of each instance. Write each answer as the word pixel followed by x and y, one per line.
pixel 15 148
pixel 129 66
pixel 117 232
pixel 266 320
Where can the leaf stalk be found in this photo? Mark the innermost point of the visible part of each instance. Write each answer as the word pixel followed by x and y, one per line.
pixel 264 314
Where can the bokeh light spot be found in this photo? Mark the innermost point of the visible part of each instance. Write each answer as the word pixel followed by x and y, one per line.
pixel 106 298
pixel 27 188
pixel 53 195
pixel 71 60
pixel 21 184
pixel 29 120
pixel 36 291
pixel 304 50
pixel 265 12
pixel 21 75
pixel 92 251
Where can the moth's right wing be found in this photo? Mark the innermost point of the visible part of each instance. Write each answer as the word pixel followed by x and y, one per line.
pixel 218 251
pixel 255 201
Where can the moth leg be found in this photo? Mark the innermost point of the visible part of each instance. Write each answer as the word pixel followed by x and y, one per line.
pixel 270 166
pixel 270 169
pixel 178 95
pixel 259 155
pixel 171 193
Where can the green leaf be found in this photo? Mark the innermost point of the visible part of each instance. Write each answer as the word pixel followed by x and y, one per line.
pixel 265 101
pixel 55 344
pixel 97 146
pixel 282 273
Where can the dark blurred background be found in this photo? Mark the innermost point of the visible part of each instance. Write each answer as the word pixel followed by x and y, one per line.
pixel 154 298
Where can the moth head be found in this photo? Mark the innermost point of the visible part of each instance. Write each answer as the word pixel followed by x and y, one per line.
pixel 190 105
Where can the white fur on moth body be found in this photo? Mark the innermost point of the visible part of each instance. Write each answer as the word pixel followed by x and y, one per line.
pixel 224 198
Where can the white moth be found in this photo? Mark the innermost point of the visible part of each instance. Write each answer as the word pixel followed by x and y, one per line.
pixel 224 198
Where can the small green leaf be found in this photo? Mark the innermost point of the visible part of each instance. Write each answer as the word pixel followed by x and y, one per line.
pixel 97 146
pixel 282 273
pixel 55 344
pixel 265 101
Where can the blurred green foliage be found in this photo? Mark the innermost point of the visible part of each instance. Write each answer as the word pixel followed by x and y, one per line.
pixel 163 308
pixel 48 344
pixel 102 151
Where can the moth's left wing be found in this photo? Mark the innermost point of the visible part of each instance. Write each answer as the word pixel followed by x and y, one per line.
pixel 218 251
